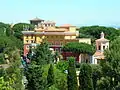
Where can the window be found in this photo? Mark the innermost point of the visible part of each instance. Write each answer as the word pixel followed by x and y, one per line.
pixel 45 25
pixel 103 47
pixel 52 25
pixel 99 48
pixel 27 37
pixel 32 41
pixel 27 41
pixel 31 37
pixel 27 47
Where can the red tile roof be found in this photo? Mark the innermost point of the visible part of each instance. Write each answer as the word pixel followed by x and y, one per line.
pixel 67 25
pixel 99 54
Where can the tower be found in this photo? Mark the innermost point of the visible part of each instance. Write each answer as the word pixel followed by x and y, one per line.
pixel 101 45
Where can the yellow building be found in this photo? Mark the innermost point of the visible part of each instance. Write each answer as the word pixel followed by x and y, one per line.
pixel 55 36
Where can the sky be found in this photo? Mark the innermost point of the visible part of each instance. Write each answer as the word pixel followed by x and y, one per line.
pixel 75 12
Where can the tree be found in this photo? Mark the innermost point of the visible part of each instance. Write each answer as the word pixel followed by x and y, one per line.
pixel 62 65
pixel 5 29
pixel 111 64
pixel 85 77
pixel 94 32
pixel 34 77
pixel 17 28
pixel 50 77
pixel 42 54
pixel 72 77
pixel 77 47
pixel 96 75
pixel 12 78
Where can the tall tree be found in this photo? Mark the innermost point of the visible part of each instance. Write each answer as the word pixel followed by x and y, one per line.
pixel 12 79
pixel 50 77
pixel 17 28
pixel 111 65
pixel 72 77
pixel 34 77
pixel 85 77
pixel 96 75
pixel 42 56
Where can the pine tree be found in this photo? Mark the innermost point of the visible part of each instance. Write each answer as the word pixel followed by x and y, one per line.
pixel 34 77
pixel 42 54
pixel 72 77
pixel 50 77
pixel 85 77
pixel 111 64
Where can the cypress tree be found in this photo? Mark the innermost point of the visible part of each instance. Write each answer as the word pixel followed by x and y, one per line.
pixel 72 77
pixel 34 77
pixel 85 77
pixel 50 77
pixel 42 56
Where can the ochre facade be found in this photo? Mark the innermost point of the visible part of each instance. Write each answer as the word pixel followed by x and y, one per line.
pixel 55 36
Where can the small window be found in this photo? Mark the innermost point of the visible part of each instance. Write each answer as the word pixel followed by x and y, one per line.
pixel 32 41
pixel 27 37
pixel 103 47
pixel 31 37
pixel 27 47
pixel 27 41
pixel 99 48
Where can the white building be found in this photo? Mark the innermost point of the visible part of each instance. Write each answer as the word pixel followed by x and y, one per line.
pixel 101 45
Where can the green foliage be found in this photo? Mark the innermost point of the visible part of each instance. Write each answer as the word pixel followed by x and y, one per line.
pixel 17 28
pixel 42 55
pixel 50 77
pixel 94 32
pixel 52 88
pixel 111 65
pixel 79 48
pixel 96 75
pixel 103 84
pixel 34 77
pixel 12 78
pixel 72 77
pixel 5 29
pixel 85 77
pixel 62 65
pixel 60 78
